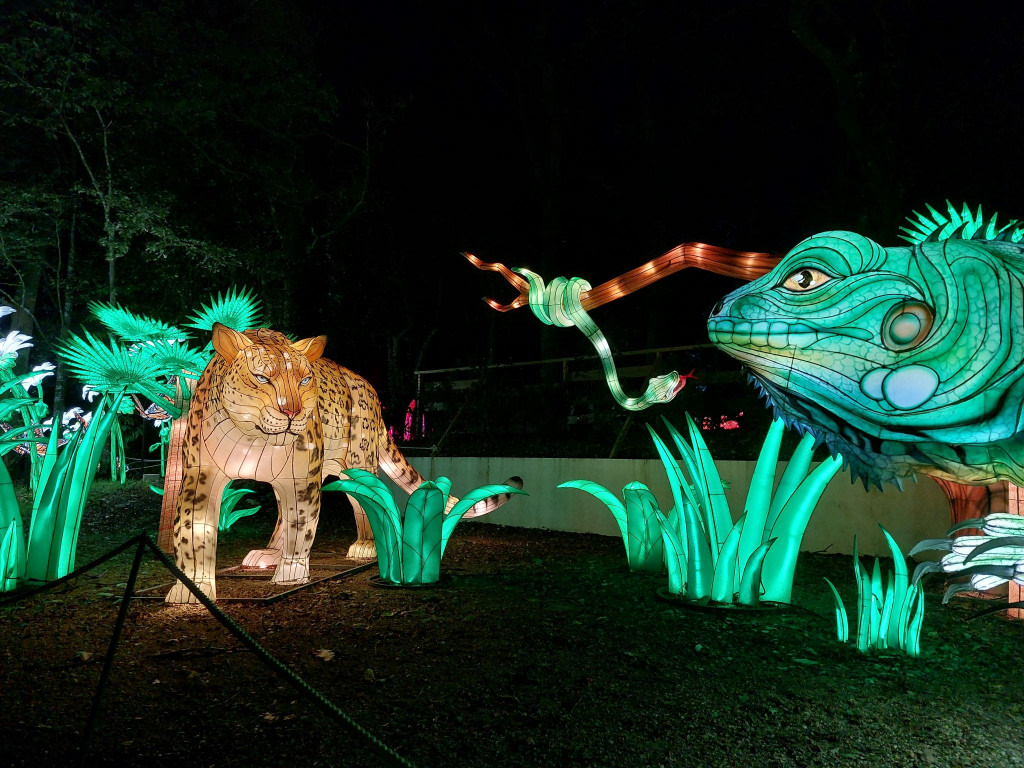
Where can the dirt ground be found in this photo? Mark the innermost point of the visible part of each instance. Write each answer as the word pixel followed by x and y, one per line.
pixel 540 649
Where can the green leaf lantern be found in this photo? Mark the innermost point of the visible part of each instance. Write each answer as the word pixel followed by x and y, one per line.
pixel 410 545
pixel 237 308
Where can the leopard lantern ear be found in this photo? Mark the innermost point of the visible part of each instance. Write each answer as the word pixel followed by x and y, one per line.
pixel 229 342
pixel 312 347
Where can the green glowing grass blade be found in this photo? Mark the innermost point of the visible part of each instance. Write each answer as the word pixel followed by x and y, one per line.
pixel 912 638
pixel 700 564
pixel 677 483
pixel 675 554
pixel 384 518
pixel 718 519
pixel 229 500
pixel 723 585
pixel 894 630
pixel 842 620
pixel 445 486
pixel 12 551
pixel 696 493
pixel 886 622
pixel 433 526
pixel 759 496
pixel 789 528
pixel 13 404
pixel 79 481
pixel 43 529
pixel 422 517
pixel 644 548
pixel 863 602
pixel 610 500
pixel 797 468
pixel 877 600
pixel 10 567
pixel 750 583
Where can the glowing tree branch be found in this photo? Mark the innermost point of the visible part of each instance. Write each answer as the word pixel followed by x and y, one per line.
pixel 566 303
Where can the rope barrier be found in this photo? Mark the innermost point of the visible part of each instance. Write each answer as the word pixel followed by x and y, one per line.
pixel 142 542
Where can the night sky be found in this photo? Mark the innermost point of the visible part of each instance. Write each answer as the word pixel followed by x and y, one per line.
pixel 583 138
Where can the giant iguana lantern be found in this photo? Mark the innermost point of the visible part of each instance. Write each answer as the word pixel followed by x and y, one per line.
pixel 902 359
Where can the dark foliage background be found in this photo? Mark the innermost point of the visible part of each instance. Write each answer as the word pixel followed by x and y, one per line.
pixel 336 157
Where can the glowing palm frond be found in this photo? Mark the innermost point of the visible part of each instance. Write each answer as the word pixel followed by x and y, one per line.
pixel 174 357
pixel 959 225
pixel 237 309
pixel 113 369
pixel 133 327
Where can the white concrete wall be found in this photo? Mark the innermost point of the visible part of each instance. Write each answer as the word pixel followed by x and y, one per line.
pixel 845 510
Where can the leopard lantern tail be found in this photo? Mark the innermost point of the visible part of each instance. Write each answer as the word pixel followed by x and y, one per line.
pixel 405 476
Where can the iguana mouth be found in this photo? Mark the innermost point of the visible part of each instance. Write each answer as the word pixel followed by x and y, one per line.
pixel 776 334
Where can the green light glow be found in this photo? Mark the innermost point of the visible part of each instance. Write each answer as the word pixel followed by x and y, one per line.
pixel 173 356
pixel 961 225
pixel 66 479
pixel 134 327
pixel 112 368
pixel 228 514
pixel 637 520
pixel 754 558
pixel 236 308
pixel 559 304
pixel 889 615
pixel 902 359
pixel 708 557
pixel 410 546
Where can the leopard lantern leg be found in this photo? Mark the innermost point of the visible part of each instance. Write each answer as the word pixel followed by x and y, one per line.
pixel 195 532
pixel 364 547
pixel 269 556
pixel 299 512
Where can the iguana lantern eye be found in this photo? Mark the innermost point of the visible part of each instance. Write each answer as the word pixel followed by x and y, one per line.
pixel 261 379
pixel 804 279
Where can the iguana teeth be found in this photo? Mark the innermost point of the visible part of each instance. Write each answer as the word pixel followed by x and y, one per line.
pixel 762 334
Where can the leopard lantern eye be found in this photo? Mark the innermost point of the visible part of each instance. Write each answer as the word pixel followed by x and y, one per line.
pixel 305 381
pixel 805 279
pixel 261 379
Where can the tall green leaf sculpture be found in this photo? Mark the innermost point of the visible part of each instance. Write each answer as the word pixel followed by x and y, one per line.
pixel 889 615
pixel 636 516
pixel 410 545
pixel 67 479
pixel 709 557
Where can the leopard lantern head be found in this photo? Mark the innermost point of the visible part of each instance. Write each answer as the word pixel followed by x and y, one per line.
pixel 268 388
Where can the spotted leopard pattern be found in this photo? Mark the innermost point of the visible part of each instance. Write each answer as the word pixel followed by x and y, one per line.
pixel 274 411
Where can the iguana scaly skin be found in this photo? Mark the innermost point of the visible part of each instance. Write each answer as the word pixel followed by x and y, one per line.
pixel 904 359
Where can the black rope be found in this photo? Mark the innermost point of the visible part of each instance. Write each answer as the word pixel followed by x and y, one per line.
pixel 143 541
pixel 32 591
pixel 108 660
